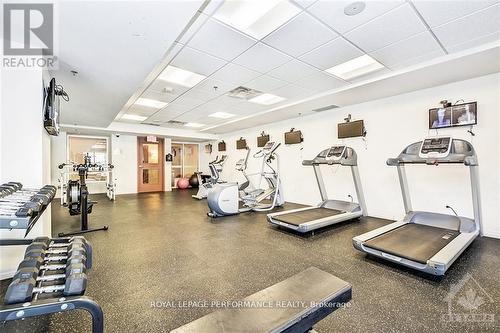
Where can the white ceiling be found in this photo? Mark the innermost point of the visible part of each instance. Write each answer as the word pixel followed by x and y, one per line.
pixel 288 62
pixel 113 45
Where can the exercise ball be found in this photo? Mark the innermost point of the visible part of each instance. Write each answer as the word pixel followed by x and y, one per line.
pixel 193 180
pixel 183 183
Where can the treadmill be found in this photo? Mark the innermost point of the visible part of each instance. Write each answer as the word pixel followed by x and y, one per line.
pixel 328 211
pixel 426 241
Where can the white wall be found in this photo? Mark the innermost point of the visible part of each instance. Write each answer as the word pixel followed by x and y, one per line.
pixel 24 151
pixel 392 123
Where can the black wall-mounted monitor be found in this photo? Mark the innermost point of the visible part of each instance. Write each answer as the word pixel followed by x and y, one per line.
pixel 293 137
pixel 456 115
pixel 241 144
pixel 351 129
pixel 51 108
pixel 262 140
pixel 221 146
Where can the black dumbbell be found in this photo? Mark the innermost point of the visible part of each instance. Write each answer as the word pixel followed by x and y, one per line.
pixel 33 272
pixel 72 249
pixel 40 263
pixel 44 243
pixel 22 290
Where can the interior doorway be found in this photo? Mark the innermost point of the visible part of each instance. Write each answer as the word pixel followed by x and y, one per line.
pixel 185 161
pixel 150 164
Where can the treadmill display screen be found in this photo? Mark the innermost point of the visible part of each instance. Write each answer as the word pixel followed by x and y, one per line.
pixel 336 151
pixel 437 145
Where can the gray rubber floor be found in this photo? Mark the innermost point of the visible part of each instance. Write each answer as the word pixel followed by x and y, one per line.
pixel 163 247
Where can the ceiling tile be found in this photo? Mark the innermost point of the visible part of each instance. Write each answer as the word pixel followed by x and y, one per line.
pixel 332 13
pixel 389 28
pixel 197 61
pixel 404 50
pixel 235 74
pixel 304 3
pixel 490 38
pixel 213 87
pixel 331 54
pixel 193 29
pixel 225 101
pixel 319 82
pixel 186 102
pixel 481 23
pixel 160 86
pixel 262 58
pixel 292 92
pixel 292 71
pixel 165 114
pixel 439 12
pixel 220 40
pixel 300 35
pixel 159 96
pixel 141 110
pixel 265 83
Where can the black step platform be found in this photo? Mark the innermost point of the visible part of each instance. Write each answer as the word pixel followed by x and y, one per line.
pixel 417 242
pixel 303 216
pixel 321 294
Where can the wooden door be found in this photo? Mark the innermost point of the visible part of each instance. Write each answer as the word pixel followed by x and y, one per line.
pixel 150 166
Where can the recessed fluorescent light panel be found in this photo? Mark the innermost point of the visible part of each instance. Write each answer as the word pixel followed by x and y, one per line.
pixel 221 115
pixel 150 103
pixel 194 125
pixel 134 117
pixel 267 99
pixel 355 67
pixel 256 18
pixel 181 76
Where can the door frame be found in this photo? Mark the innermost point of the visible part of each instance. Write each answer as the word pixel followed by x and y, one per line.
pixel 182 166
pixel 161 159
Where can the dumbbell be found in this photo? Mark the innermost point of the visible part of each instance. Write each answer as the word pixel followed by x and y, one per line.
pixel 45 243
pixel 54 262
pixel 17 185
pixel 34 250
pixel 22 290
pixel 34 205
pixel 21 212
pixel 34 272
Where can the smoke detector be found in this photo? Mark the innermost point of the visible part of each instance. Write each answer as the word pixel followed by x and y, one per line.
pixel 243 93
pixel 354 8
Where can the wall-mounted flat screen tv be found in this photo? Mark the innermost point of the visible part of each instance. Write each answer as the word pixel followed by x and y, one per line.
pixel 351 129
pixel 456 115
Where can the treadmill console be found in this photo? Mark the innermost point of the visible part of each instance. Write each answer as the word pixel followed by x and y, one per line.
pixel 270 147
pixel 334 153
pixel 437 147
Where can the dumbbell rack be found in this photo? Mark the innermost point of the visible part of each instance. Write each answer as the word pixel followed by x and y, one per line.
pixel 31 204
pixel 30 302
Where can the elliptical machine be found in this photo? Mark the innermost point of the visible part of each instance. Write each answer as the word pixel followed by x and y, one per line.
pixel 225 198
pixel 241 165
pixel 215 169
pixel 77 196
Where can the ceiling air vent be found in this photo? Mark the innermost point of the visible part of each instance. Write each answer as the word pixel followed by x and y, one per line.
pixel 176 122
pixel 325 108
pixel 243 93
pixel 152 124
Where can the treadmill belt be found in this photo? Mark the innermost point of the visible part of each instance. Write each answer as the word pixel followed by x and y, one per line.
pixel 303 216
pixel 413 241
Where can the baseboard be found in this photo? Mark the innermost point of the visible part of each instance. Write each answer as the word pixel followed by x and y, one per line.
pixel 492 234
